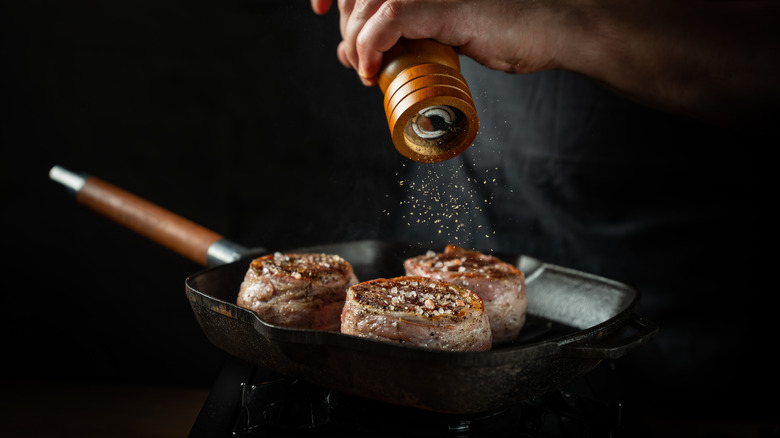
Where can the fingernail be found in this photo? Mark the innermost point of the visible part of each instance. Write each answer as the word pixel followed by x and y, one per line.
pixel 366 78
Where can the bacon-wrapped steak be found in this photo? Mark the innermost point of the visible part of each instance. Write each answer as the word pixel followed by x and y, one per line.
pixel 417 311
pixel 298 290
pixel 500 285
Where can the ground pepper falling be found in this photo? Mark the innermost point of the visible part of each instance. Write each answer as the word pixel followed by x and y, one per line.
pixel 449 201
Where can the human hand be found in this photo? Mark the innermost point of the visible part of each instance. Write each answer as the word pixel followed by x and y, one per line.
pixel 517 36
pixel 711 60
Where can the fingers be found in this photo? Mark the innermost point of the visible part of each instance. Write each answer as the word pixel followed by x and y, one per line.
pixel 519 36
pixel 394 19
pixel 380 32
pixel 345 11
pixel 320 7
pixel 341 53
pixel 354 15
pixel 371 27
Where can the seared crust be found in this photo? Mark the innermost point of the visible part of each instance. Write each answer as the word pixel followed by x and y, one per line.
pixel 417 311
pixel 297 290
pixel 459 262
pixel 500 285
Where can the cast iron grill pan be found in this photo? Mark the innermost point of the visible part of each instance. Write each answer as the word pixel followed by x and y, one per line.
pixel 575 320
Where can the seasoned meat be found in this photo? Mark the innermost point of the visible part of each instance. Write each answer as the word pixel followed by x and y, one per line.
pixel 500 285
pixel 297 290
pixel 417 311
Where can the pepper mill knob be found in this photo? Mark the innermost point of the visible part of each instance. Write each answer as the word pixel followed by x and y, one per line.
pixel 427 102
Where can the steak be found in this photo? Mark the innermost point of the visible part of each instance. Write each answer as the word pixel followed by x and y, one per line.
pixel 500 285
pixel 297 290
pixel 417 311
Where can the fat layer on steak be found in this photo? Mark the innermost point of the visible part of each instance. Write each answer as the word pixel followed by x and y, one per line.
pixel 500 285
pixel 417 311
pixel 304 290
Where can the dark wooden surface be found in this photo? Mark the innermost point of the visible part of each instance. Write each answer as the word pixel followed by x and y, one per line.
pixel 97 410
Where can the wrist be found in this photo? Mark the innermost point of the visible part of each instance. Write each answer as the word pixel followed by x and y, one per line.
pixel 579 36
pixel 551 35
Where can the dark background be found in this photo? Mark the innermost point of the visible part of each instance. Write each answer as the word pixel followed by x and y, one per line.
pixel 239 117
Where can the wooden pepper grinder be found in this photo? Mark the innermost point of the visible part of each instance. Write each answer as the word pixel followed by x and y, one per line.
pixel 427 102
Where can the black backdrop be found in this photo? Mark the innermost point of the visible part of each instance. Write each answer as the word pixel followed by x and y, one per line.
pixel 237 116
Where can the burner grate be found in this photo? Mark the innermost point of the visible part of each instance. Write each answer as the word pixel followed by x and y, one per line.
pixel 249 402
pixel 282 406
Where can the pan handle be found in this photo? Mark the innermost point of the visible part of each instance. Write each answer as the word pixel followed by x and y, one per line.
pixel 181 235
pixel 636 332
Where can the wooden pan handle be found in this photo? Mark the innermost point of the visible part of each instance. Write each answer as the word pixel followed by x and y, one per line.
pixel 149 220
pixel 157 224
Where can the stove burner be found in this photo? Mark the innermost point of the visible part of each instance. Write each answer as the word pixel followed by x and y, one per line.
pixel 285 407
pixel 247 401
pixel 404 421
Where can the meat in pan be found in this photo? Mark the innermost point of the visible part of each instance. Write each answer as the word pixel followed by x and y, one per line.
pixel 417 311
pixel 500 285
pixel 297 290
